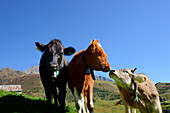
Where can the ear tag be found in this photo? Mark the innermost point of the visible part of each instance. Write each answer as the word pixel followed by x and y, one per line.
pixel 88 71
pixel 137 98
pixel 69 53
pixel 57 73
pixel 91 48
pixel 38 49
pixel 140 81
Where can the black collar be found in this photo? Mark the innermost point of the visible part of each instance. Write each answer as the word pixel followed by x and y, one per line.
pixel 88 71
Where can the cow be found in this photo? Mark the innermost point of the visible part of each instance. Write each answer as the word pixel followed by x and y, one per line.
pixel 53 72
pixel 137 91
pixel 81 76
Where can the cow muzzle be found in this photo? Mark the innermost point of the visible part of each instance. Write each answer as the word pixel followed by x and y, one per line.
pixel 54 66
pixel 106 68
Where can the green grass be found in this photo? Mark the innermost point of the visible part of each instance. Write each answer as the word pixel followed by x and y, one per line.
pixel 11 102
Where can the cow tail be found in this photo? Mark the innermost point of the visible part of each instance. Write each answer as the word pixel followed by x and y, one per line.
pixel 117 103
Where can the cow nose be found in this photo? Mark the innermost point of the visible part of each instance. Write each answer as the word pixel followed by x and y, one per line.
pixel 108 68
pixel 53 64
pixel 112 71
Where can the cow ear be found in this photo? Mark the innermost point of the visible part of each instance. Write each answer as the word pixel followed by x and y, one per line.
pixel 91 48
pixel 69 51
pixel 140 78
pixel 40 47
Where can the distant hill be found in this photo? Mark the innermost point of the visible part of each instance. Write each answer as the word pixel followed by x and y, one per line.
pixel 31 83
pixel 103 78
pixel 8 74
pixel 104 89
pixel 32 70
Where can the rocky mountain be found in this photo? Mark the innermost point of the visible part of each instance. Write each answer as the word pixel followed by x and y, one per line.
pixel 8 74
pixel 102 78
pixel 32 70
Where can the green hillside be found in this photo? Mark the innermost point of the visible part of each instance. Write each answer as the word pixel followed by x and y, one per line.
pixel 105 94
pixel 11 102
pixel 164 93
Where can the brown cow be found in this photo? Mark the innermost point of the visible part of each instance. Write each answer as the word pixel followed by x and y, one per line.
pixel 145 98
pixel 81 76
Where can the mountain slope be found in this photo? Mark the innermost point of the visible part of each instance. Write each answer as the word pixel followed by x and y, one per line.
pixel 104 91
pixel 32 70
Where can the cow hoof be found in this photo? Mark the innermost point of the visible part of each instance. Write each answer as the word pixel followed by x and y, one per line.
pixel 91 110
pixel 56 106
pixel 62 110
pixel 48 111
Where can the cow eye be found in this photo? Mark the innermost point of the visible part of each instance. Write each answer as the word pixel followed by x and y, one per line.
pixel 98 53
pixel 125 71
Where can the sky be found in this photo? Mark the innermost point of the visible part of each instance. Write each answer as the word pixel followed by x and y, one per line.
pixel 133 33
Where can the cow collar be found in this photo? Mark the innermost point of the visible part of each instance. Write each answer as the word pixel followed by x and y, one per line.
pixel 87 69
pixel 135 92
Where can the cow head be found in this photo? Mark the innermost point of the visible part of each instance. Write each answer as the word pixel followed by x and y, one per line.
pixel 125 77
pixel 96 58
pixel 54 51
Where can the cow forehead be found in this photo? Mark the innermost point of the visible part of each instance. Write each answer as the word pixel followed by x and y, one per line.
pixel 99 47
pixel 99 44
pixel 55 42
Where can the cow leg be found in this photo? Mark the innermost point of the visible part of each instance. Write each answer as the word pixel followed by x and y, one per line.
pixel 79 101
pixel 132 110
pixel 85 100
pixel 55 98
pixel 127 109
pixel 48 96
pixel 62 95
pixel 90 104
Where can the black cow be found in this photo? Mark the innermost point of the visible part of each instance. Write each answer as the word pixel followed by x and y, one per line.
pixel 53 71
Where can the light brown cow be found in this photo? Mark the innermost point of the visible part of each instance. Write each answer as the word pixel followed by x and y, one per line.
pixel 147 98
pixel 81 76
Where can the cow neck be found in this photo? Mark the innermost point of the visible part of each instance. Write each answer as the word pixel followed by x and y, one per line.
pixel 88 71
pixel 84 60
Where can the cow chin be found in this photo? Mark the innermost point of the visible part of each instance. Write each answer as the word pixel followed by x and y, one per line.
pixel 52 69
pixel 105 68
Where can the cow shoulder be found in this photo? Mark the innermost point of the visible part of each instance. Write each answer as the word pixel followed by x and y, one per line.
pixel 149 90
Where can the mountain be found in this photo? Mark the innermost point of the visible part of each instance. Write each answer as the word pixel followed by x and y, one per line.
pixel 31 83
pixel 102 78
pixel 32 70
pixel 104 90
pixel 8 74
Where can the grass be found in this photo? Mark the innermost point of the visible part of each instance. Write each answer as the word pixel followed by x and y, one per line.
pixel 11 102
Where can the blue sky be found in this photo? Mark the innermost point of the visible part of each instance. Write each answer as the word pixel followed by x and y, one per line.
pixel 133 33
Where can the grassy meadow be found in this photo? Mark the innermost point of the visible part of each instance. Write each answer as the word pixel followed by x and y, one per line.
pixel 12 102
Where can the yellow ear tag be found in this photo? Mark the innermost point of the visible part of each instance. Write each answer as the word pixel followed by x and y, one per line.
pixel 38 49
pixel 140 80
pixel 91 48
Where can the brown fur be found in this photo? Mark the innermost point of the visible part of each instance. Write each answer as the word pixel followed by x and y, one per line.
pixel 147 94
pixel 96 59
